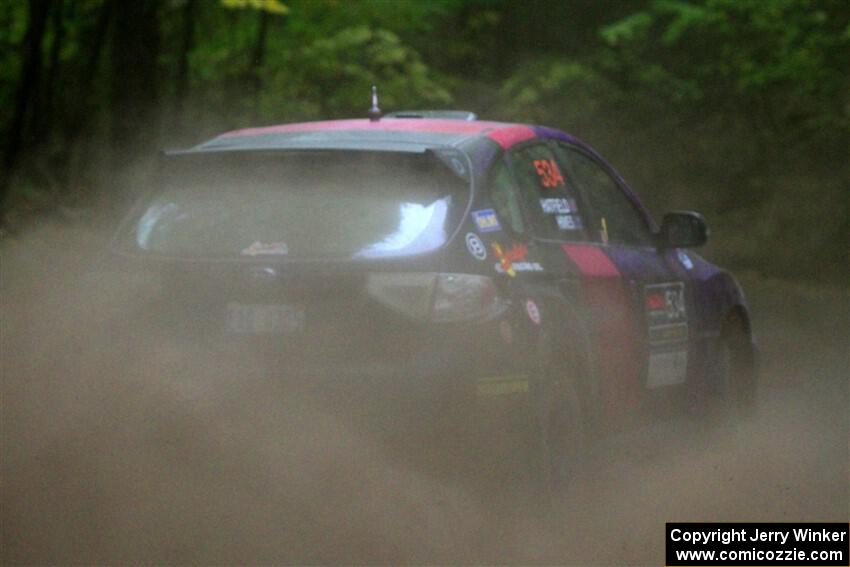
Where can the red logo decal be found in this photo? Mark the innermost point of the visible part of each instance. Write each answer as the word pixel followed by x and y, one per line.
pixel 655 301
pixel 515 253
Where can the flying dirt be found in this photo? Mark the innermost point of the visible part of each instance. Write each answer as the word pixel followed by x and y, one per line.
pixel 124 445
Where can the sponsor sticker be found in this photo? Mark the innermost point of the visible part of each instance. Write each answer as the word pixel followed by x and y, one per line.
pixel 655 301
pixel 458 166
pixel 663 334
pixel 266 248
pixel 533 311
pixel 665 303
pixel 519 267
pixel 475 246
pixel 502 385
pixel 505 258
pixel 512 261
pixel 568 222
pixel 553 206
pixel 486 220
pixel 667 322
pixel 685 259
pixel 667 368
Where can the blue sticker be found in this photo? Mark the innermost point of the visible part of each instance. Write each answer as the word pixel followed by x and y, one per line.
pixel 685 260
pixel 486 220
pixel 459 167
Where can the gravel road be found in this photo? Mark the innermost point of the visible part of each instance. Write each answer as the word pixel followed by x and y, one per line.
pixel 121 447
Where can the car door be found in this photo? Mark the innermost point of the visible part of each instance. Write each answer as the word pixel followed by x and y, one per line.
pixel 514 250
pixel 550 207
pixel 582 271
pixel 639 293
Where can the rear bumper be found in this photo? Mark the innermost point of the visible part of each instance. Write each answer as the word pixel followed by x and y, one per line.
pixel 459 400
pixel 455 384
pixel 420 361
pixel 373 361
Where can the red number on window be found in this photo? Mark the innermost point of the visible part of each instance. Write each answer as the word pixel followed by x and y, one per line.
pixel 550 175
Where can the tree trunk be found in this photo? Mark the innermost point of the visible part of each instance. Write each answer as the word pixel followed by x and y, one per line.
pixel 257 59
pixel 76 149
pixel 96 43
pixel 43 120
pixel 134 127
pixel 27 91
pixel 181 90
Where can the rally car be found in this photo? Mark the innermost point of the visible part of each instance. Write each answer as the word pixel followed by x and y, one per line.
pixel 457 262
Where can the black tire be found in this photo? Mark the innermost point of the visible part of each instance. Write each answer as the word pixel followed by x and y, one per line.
pixel 561 427
pixel 733 383
pixel 562 439
pixel 737 388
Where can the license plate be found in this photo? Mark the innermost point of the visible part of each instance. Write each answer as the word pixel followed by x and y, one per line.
pixel 667 368
pixel 245 319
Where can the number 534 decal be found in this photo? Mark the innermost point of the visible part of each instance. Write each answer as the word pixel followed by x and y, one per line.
pixel 547 170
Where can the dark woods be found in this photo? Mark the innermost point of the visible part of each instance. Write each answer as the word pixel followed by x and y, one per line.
pixel 88 84
pixel 740 108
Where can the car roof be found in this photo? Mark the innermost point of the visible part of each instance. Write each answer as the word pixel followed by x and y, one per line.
pixel 411 135
pixel 388 134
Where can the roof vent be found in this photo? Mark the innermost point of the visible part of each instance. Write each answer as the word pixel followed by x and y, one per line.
pixel 374 112
pixel 440 114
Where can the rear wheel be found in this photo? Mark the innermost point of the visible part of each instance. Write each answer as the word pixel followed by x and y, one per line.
pixel 561 438
pixel 561 424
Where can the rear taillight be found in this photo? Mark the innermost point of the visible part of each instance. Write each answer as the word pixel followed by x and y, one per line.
pixel 440 298
pixel 463 297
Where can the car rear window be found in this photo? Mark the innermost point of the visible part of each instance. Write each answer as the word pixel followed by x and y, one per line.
pixel 310 205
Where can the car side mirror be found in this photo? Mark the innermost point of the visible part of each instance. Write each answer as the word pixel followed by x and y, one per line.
pixel 683 229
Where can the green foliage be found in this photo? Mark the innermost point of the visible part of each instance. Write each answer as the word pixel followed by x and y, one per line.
pixel 13 16
pixel 555 91
pixel 784 60
pixel 632 28
pixel 335 74
pixel 316 64
pixel 714 104
pixel 270 6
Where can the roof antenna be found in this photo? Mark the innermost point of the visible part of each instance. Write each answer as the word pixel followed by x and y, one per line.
pixel 374 112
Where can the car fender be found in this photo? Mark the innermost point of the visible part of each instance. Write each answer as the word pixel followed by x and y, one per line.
pixel 725 297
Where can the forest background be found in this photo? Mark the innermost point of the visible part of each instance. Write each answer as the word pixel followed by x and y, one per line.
pixel 737 108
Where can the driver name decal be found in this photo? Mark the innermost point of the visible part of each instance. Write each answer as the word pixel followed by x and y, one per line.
pixel 560 206
pixel 568 222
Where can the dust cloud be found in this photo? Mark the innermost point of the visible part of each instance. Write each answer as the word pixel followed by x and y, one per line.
pixel 120 445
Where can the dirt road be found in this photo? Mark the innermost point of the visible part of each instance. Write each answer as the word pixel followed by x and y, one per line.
pixel 119 447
